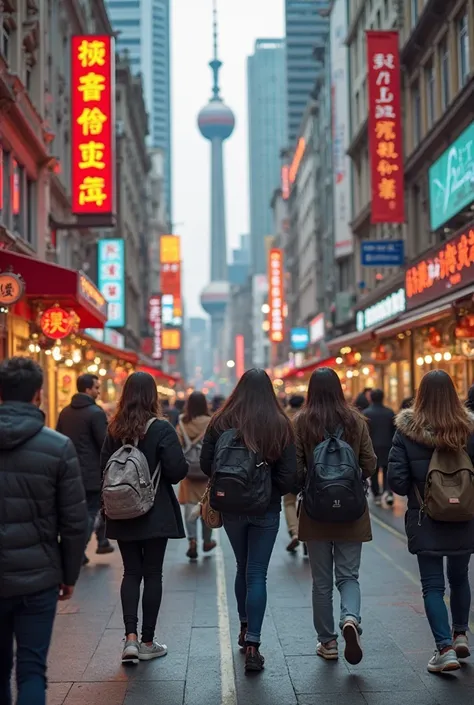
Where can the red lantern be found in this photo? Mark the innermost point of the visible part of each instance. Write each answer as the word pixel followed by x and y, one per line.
pixel 56 323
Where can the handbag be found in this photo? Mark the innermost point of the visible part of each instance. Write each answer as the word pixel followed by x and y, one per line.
pixel 211 517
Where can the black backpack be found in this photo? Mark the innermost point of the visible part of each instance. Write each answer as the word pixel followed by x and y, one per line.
pixel 241 482
pixel 335 490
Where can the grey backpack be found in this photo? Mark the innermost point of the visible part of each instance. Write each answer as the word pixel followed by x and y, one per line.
pixel 192 453
pixel 129 488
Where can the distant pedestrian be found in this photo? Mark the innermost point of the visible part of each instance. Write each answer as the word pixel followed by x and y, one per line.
pixel 290 500
pixel 43 529
pixel 432 440
pixel 170 413
pixel 407 403
pixel 142 541
pixel 180 405
pixel 362 401
pixel 191 430
pixel 249 453
pixel 334 453
pixel 85 423
pixel 470 399
pixel 217 403
pixel 381 428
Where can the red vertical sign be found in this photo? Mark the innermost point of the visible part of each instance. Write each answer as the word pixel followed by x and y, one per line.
pixel 276 295
pixel 385 128
pixel 239 356
pixel 1 177
pixel 156 322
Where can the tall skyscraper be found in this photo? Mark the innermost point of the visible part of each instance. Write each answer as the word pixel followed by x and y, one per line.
pixel 266 80
pixel 216 122
pixel 144 32
pixel 306 29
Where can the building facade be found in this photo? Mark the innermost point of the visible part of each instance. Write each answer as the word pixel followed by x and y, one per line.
pixel 307 24
pixel 267 125
pixel 143 29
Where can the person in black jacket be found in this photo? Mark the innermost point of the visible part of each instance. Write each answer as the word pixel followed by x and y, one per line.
pixel 263 427
pixel 43 528
pixel 437 420
pixel 142 541
pixel 381 429
pixel 85 423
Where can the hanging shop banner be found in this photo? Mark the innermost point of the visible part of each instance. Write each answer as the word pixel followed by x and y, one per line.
pixel 56 323
pixel 170 274
pixel 171 339
pixel 299 338
pixel 382 253
pixel 451 180
pixel 343 240
pixel 155 317
pixel 385 128
pixel 93 125
pixel 112 280
pixel 448 268
pixel 276 294
pixel 12 288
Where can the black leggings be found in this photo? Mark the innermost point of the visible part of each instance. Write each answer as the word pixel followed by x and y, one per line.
pixel 142 559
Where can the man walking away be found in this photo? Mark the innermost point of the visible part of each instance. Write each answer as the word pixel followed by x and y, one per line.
pixel 382 429
pixel 43 527
pixel 290 500
pixel 85 423
pixel 170 413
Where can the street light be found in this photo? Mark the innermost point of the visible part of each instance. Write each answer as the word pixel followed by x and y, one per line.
pixel 230 364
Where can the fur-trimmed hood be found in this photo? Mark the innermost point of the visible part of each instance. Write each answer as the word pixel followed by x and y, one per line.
pixel 405 423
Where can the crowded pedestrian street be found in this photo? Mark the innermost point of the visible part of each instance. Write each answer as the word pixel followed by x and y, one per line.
pixel 198 623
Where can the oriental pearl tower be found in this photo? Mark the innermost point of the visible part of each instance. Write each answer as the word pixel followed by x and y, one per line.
pixel 216 123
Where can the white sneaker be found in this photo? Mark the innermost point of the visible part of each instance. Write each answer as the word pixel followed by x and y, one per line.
pixel 353 651
pixel 130 652
pixel 328 651
pixel 156 650
pixel 441 663
pixel 461 646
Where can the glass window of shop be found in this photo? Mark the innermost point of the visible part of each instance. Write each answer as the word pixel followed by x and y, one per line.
pixel 463 50
pixel 444 62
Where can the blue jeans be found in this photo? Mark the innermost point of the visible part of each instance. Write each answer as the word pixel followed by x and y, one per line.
pixel 433 584
pixel 252 539
pixel 30 621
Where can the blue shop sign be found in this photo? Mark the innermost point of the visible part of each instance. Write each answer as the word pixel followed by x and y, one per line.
pixel 299 338
pixel 382 253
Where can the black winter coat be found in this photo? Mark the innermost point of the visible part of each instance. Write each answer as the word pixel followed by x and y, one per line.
pixel 85 423
pixel 43 513
pixel 408 465
pixel 284 473
pixel 164 520
pixel 381 428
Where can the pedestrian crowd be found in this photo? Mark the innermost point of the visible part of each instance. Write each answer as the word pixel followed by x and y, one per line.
pixel 236 462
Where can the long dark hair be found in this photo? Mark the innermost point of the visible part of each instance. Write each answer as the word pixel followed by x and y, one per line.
pixel 196 405
pixel 438 407
pixel 137 405
pixel 326 409
pixel 253 410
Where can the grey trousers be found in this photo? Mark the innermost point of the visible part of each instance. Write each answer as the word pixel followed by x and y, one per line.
pixel 191 524
pixel 342 559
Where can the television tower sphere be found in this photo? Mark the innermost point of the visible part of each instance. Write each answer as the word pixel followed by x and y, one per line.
pixel 216 120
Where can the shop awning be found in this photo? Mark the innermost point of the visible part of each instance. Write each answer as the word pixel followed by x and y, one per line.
pixel 350 339
pixel 50 284
pixel 309 367
pixel 157 373
pixel 116 353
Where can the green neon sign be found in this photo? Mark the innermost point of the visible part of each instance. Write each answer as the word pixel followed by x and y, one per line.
pixel 451 179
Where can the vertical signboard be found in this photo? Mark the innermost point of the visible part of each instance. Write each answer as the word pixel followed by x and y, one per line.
pixel 155 318
pixel 343 241
pixel 112 280
pixel 92 125
pixel 385 128
pixel 276 294
pixel 285 182
pixel 239 356
pixel 170 273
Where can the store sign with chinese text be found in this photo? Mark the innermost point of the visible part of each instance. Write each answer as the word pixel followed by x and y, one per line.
pixel 299 338
pixel 12 288
pixel 93 125
pixel 382 253
pixel 392 305
pixel 156 321
pixel 451 180
pixel 112 279
pixel 276 295
pixel 171 339
pixel 385 128
pixel 56 323
pixel 167 310
pixel 170 274
pixel 89 292
pixel 317 329
pixel 450 267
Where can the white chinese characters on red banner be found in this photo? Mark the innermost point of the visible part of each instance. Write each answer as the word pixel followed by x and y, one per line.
pixel 276 295
pixel 156 320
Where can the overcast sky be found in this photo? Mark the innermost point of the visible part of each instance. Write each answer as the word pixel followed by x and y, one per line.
pixel 241 22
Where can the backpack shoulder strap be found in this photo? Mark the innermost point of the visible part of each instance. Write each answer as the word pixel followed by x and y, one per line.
pixel 149 423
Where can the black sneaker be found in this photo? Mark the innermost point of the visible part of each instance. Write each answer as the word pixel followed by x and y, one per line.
pixel 104 548
pixel 254 660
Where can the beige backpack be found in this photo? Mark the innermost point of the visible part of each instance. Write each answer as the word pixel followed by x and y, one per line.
pixel 449 487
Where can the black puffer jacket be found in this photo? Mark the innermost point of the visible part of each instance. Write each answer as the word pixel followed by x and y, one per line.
pixel 41 499
pixel 164 520
pixel 408 465
pixel 381 429
pixel 85 423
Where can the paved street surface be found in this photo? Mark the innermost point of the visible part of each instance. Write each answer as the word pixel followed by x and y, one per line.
pixel 204 667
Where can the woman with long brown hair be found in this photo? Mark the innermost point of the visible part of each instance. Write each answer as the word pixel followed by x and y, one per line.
pixel 191 429
pixel 252 424
pixel 334 547
pixel 438 422
pixel 142 541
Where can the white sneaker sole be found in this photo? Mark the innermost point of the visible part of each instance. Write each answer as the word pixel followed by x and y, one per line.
pixel 328 656
pixel 445 668
pixel 353 651
pixel 130 660
pixel 150 657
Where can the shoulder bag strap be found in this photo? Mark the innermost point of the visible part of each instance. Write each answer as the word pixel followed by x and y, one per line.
pixel 187 440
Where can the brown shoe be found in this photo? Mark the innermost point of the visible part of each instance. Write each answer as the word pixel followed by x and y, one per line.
pixel 293 545
pixel 192 550
pixel 209 546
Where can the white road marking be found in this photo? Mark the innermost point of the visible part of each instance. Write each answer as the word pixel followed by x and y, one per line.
pixel 228 689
